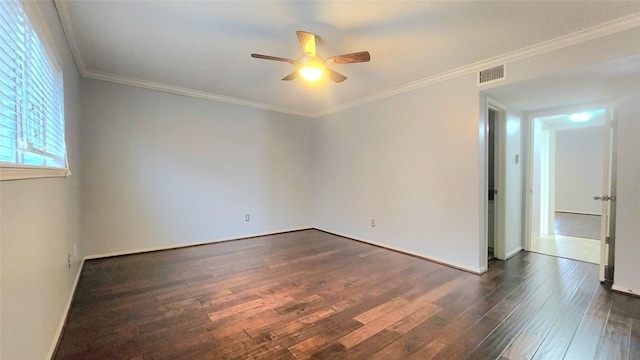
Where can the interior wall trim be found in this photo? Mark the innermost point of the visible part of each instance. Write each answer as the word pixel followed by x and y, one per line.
pixel 65 314
pixel 197 243
pixel 177 90
pixel 577 212
pixel 472 270
pixel 625 290
pixel 579 37
pixel 65 21
pixel 513 252
pixel 608 28
pixel 476 271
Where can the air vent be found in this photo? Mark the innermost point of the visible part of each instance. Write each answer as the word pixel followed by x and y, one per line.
pixel 491 74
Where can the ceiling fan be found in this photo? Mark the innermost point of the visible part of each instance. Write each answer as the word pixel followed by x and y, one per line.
pixel 311 66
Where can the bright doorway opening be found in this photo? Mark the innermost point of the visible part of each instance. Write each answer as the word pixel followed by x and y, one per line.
pixel 567 156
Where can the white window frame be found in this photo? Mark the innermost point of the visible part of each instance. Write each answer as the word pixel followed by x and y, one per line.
pixel 17 171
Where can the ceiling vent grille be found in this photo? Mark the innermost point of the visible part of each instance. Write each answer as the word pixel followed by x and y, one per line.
pixel 492 74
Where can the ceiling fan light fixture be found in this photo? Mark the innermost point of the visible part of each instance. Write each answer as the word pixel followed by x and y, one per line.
pixel 311 73
pixel 311 66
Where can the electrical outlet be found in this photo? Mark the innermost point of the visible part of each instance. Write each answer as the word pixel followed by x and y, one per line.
pixel 69 261
pixel 373 223
pixel 247 218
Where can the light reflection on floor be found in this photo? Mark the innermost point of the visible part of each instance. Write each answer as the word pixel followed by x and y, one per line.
pixel 568 247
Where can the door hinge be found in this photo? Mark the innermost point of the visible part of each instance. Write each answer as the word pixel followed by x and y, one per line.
pixel 608 273
pixel 607 240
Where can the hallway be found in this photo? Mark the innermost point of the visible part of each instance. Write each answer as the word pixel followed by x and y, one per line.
pixel 576 237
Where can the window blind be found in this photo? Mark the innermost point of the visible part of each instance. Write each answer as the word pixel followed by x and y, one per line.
pixel 31 95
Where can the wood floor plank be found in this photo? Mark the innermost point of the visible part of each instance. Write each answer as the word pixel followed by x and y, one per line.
pixel 380 340
pixel 381 310
pixel 534 321
pixel 414 319
pixel 584 344
pixel 338 300
pixel 461 349
pixel 615 340
pixel 308 347
pixel 473 327
pixel 313 295
pixel 290 333
pixel 401 320
pixel 415 338
pixel 634 339
pixel 384 322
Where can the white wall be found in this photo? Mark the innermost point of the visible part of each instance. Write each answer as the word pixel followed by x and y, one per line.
pixel 163 170
pixel 627 250
pixel 514 241
pixel 39 222
pixel 578 170
pixel 411 163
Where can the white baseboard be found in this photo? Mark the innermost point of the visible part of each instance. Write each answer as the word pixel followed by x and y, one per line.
pixel 576 212
pixel 477 271
pixel 625 290
pixel 65 313
pixel 513 252
pixel 178 246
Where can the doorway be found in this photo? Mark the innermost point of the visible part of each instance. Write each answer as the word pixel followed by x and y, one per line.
pixel 492 186
pixel 570 164
pixel 501 186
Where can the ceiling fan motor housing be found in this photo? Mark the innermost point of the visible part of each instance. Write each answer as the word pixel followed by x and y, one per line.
pixel 313 64
pixel 317 61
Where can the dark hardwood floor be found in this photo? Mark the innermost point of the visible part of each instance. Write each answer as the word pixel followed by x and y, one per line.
pixel 312 295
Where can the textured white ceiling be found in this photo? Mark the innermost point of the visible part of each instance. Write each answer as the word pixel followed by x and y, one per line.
pixel 204 47
pixel 563 121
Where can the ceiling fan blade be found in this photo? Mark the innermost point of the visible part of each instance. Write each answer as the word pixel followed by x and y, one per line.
pixel 307 42
pixel 362 56
pixel 335 76
pixel 291 76
pixel 268 57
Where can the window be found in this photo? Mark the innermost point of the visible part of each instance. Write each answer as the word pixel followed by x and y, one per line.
pixel 32 142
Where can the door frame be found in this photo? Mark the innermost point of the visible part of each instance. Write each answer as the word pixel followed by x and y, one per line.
pixel 608 185
pixel 499 199
pixel 499 246
pixel 547 142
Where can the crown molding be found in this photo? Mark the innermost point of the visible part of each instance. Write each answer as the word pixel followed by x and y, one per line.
pixel 72 39
pixel 118 79
pixel 608 28
pixel 582 36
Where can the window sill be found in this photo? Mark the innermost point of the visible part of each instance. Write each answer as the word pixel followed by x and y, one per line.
pixel 23 172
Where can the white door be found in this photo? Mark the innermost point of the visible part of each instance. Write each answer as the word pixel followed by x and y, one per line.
pixel 496 194
pixel 608 197
pixel 503 180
